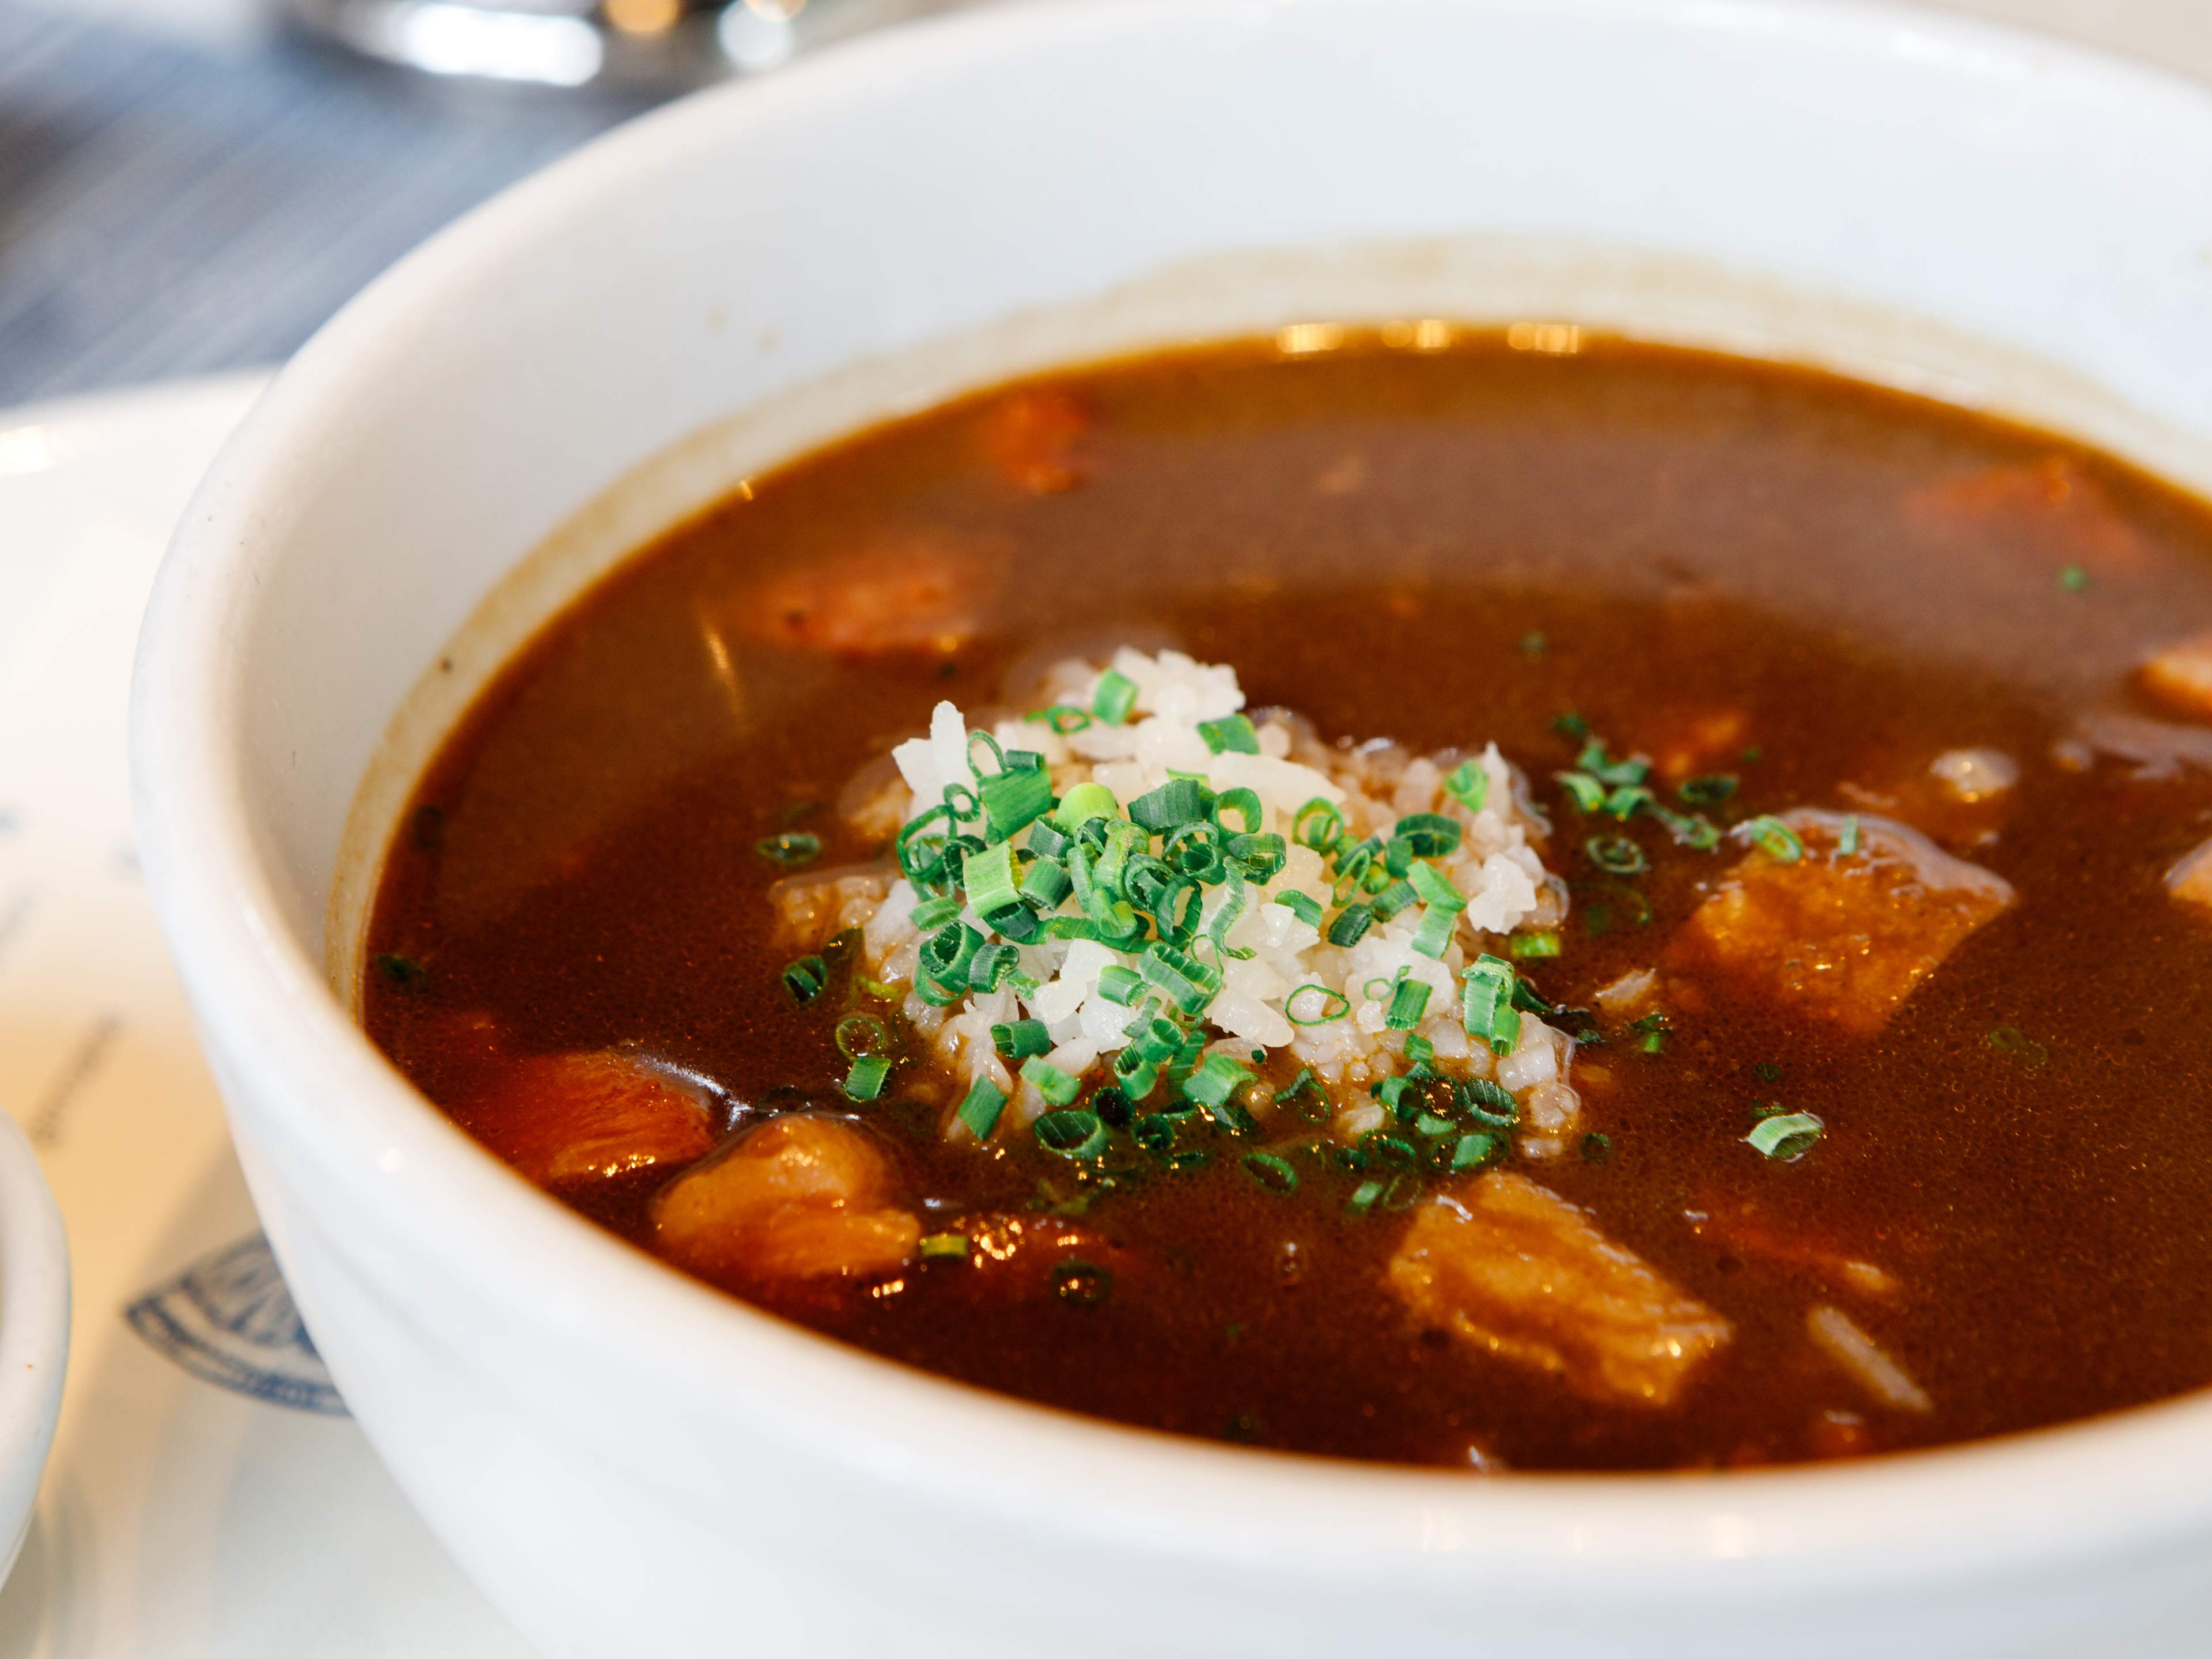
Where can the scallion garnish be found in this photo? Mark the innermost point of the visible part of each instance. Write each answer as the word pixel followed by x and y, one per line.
pixel 1419 1051
pixel 1212 1082
pixel 793 847
pixel 1322 1004
pixel 1305 906
pixel 1274 1173
pixel 1121 985
pixel 1020 1039
pixel 1063 717
pixel 1230 735
pixel 1617 855
pixel 1596 1148
pixel 1473 1150
pixel 1177 801
pixel 1071 1133
pixel 1114 698
pixel 860 1035
pixel 1407 1003
pixel 1523 947
pixel 1349 925
pixel 1014 800
pixel 932 913
pixel 1487 1004
pixel 866 1078
pixel 938 1246
pixel 1708 791
pixel 1772 837
pixel 1317 824
pixel 804 979
pixel 1187 983
pixel 1084 802
pixel 1431 834
pixel 403 972
pixel 1847 838
pixel 1363 1197
pixel 1589 794
pixel 1467 784
pixel 1487 1103
pixel 1786 1138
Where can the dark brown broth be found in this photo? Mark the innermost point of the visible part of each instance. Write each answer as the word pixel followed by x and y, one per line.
pixel 1371 537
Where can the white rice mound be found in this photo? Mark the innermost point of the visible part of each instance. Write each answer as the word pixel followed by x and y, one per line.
pixel 1497 865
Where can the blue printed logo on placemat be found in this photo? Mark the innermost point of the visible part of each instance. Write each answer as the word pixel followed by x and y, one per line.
pixel 228 1318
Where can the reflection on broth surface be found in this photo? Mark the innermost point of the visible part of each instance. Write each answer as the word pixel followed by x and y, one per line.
pixel 1787 1043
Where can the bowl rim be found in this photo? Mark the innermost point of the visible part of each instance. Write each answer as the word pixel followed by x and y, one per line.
pixel 2105 1484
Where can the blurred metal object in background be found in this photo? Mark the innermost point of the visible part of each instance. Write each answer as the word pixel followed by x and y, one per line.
pixel 641 44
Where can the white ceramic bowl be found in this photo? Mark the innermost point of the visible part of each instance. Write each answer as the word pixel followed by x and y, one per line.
pixel 34 1334
pixel 629 1464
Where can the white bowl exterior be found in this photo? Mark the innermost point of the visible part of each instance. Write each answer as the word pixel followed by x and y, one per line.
pixel 34 1332
pixel 624 1459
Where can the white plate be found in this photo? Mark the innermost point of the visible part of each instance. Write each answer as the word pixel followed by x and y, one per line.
pixel 207 1495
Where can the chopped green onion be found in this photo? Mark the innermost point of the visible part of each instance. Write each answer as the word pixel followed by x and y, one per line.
pixel 1363 1197
pixel 1350 924
pixel 804 978
pixel 1177 801
pixel 1081 1284
pixel 1245 803
pixel 1397 896
pixel 1772 836
pixel 1596 1148
pixel 1332 1006
pixel 1062 717
pixel 1473 1150
pixel 1599 764
pixel 1274 1173
pixel 1115 697
pixel 2073 577
pixel 404 972
pixel 1710 790
pixel 989 876
pixel 1429 1124
pixel 865 1080
pixel 1487 1005
pixel 1588 794
pixel 989 967
pixel 1434 936
pixel 1317 824
pixel 1786 1138
pixel 1694 830
pixel 1261 857
pixel 1420 1050
pixel 1021 1038
pixel 1044 883
pixel 1120 985
pixel 1054 1084
pixel 947 954
pixel 1624 802
pixel 935 1247
pixel 1571 725
pixel 1487 1103
pixel 979 1111
pixel 1469 784
pixel 1216 1079
pixel 1524 947
pixel 1084 802
pixel 1074 1133
pixel 932 913
pixel 1431 834
pixel 1617 855
pixel 1187 984
pixel 1436 888
pixel 792 847
pixel 1305 906
pixel 1534 643
pixel 858 1035
pixel 1230 735
pixel 1014 800
pixel 1407 1003
pixel 1847 841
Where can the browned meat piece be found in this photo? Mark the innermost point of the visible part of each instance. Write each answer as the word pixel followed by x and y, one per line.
pixel 2189 881
pixel 920 594
pixel 2180 676
pixel 563 1118
pixel 802 1197
pixel 1032 439
pixel 1686 742
pixel 1518 1272
pixel 1844 937
pixel 2051 507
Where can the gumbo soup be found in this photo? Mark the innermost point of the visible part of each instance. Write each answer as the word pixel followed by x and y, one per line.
pixel 1587 907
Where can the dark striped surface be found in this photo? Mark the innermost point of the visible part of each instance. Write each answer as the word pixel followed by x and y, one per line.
pixel 168 211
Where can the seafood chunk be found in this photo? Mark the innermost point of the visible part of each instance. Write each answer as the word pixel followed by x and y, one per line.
pixel 920 594
pixel 1842 936
pixel 1514 1270
pixel 802 1197
pixel 563 1118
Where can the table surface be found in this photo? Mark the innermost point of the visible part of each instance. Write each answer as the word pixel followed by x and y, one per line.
pixel 183 189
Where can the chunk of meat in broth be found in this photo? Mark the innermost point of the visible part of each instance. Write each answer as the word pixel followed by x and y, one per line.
pixel 2179 678
pixel 1033 438
pixel 920 594
pixel 805 1197
pixel 1841 936
pixel 2051 507
pixel 1512 1269
pixel 565 1120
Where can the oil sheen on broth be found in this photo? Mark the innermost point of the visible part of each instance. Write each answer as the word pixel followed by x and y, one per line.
pixel 1850 750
